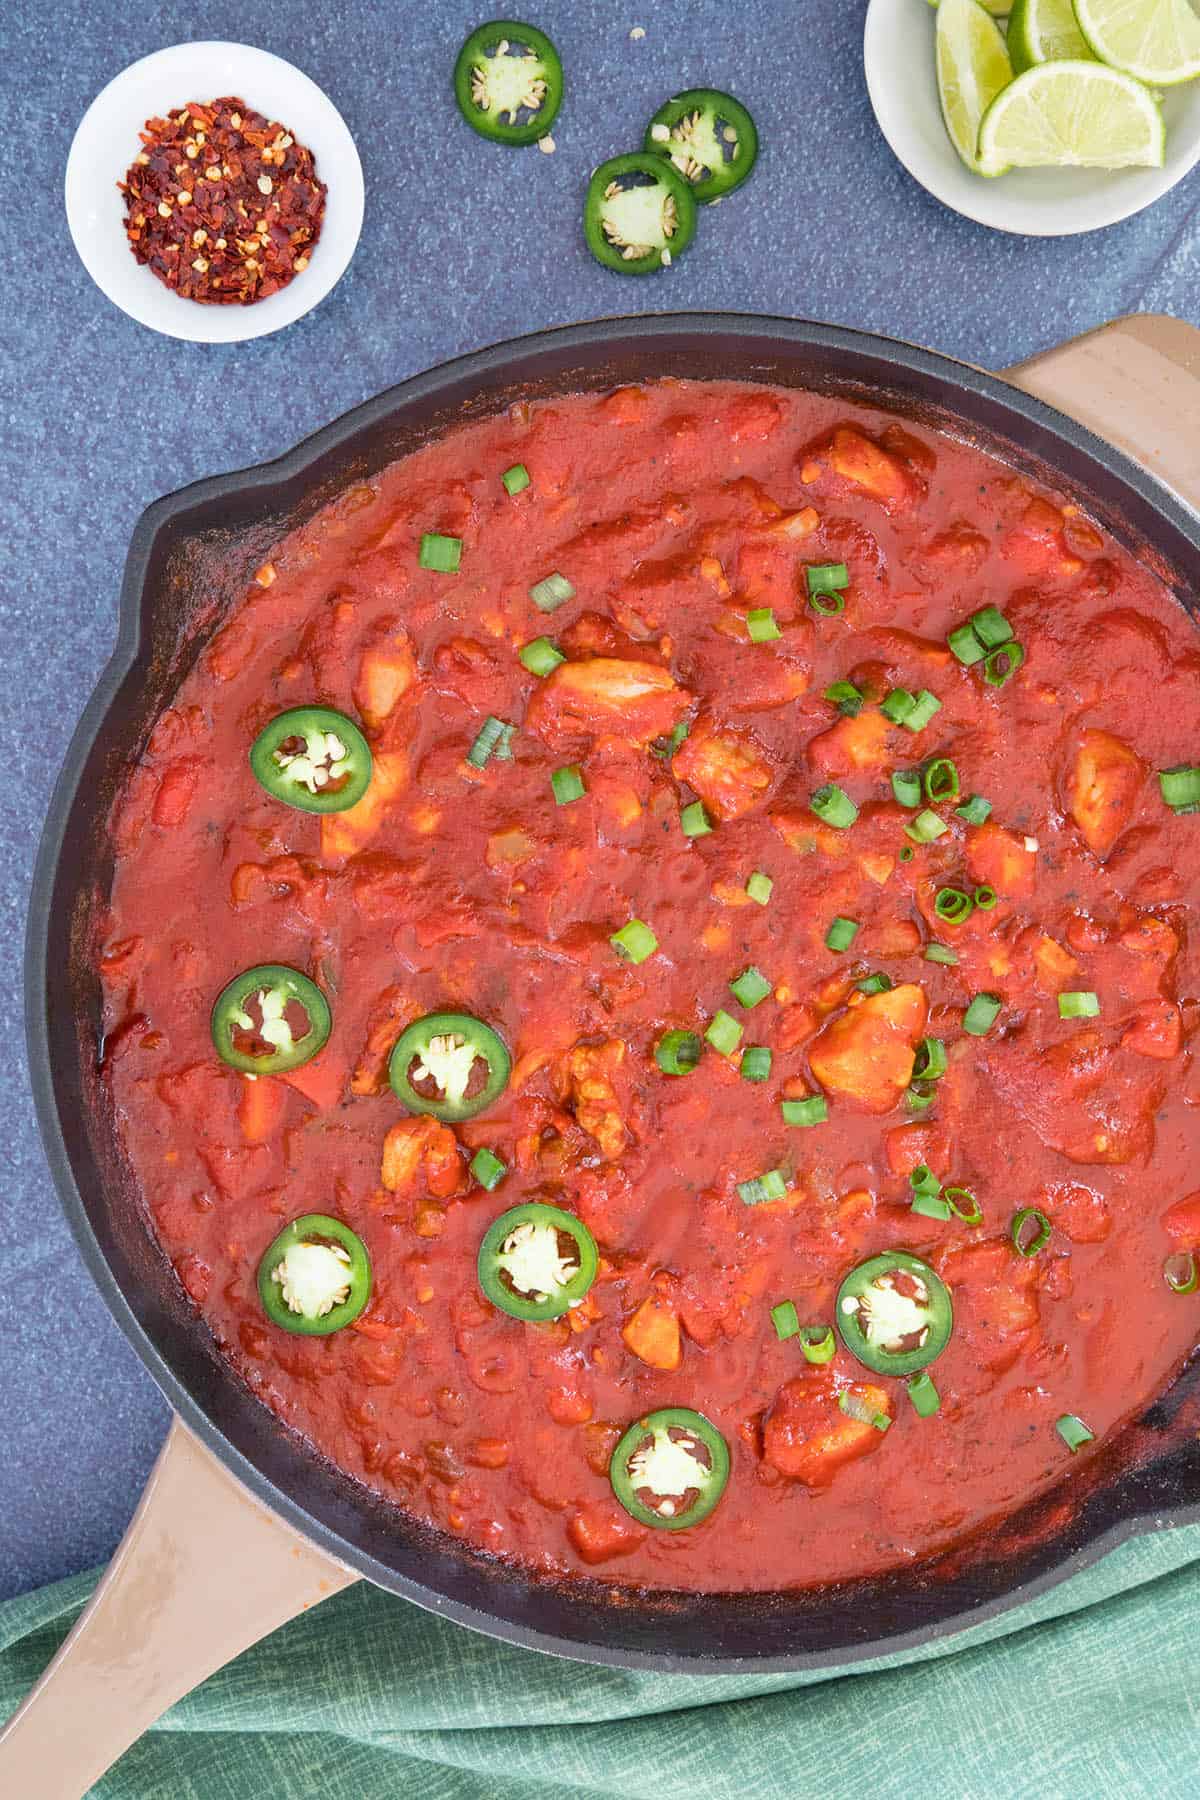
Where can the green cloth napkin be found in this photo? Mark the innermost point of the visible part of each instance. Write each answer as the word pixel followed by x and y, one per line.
pixel 1089 1692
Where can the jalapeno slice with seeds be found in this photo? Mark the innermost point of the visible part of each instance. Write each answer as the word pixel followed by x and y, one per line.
pixel 450 1065
pixel 312 758
pixel 670 1468
pixel 894 1313
pixel 536 1261
pixel 270 1019
pixel 508 82
pixel 315 1277
pixel 710 138
pixel 639 214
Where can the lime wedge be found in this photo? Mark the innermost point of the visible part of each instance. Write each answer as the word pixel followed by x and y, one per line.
pixel 998 7
pixel 1156 40
pixel 1045 31
pixel 972 68
pixel 1073 115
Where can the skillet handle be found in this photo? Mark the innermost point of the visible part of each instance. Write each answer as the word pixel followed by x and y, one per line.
pixel 202 1572
pixel 1135 382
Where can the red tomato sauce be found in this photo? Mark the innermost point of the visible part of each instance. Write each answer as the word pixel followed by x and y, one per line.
pixel 674 510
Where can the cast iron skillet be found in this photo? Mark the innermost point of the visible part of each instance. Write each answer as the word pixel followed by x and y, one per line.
pixel 195 550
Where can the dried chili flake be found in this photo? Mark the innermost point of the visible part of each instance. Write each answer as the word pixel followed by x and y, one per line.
pixel 222 204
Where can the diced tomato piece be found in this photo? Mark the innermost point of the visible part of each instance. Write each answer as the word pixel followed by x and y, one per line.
pixel 176 791
pixel 1156 1030
pixel 261 1108
pixel 908 1146
pixel 321 1080
pixel 602 1529
pixel 1181 1222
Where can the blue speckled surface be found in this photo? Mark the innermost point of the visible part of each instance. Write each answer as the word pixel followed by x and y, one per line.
pixel 463 244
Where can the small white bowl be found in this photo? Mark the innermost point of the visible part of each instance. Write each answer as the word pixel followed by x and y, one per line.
pixel 902 81
pixel 107 142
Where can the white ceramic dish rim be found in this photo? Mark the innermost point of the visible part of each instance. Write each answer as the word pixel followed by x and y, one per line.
pixel 106 142
pixel 898 60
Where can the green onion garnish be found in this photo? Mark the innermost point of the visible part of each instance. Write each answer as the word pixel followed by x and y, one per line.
pixel 666 747
pixel 898 705
pixel 759 887
pixel 991 627
pixel 1080 1005
pixel 922 1179
pixel 878 983
pixel 919 1096
pixel 963 1205
pixel 541 656
pixel 677 1052
pixel 841 934
pixel 487 1169
pixel 818 1343
pixel 824 580
pixel 490 735
pixel 756 1063
pixel 634 942
pixel 931 1206
pixel 846 697
pixel 940 780
pixel 982 1014
pixel 786 1320
pixel 986 898
pixel 926 827
pixel 1073 1432
pixel 694 821
pixel 567 784
pixel 724 1033
pixel 929 1064
pixel 952 905
pixel 975 811
pixel 1001 665
pixel 441 553
pixel 761 625
pixel 940 953
pixel 1180 787
pixel 1026 1241
pixel 1181 1273
pixel 503 750
pixel 516 478
pixel 750 987
pixel 771 1186
pixel 924 1396
pixel 812 1111
pixel 907 853
pixel 923 708
pixel 906 786
pixel 855 1408
pixel 834 807
pixel 965 645
pixel 551 591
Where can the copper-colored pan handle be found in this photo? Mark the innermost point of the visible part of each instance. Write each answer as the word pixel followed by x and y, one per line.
pixel 1135 382
pixel 203 1572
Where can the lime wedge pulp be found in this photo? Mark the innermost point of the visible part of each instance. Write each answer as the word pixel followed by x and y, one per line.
pixel 972 69
pixel 1073 115
pixel 1044 31
pixel 999 7
pixel 1158 41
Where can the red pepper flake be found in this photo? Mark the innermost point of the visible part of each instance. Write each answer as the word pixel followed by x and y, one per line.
pixel 222 204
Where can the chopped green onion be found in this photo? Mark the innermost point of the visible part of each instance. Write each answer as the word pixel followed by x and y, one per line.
pixel 826 578
pixel 490 734
pixel 786 1320
pixel 487 1169
pixel 898 705
pixel 818 1343
pixel 666 747
pixel 975 811
pixel 924 1396
pixel 724 1033
pixel 990 627
pixel 926 827
pixel 441 553
pixel 1181 1273
pixel 812 1111
pixel 906 786
pixel 856 1408
pixel 841 934
pixel 982 1014
pixel 1001 665
pixel 1080 1005
pixel 966 646
pixel 834 807
pixel 677 1052
pixel 846 697
pixel 940 953
pixel 963 1205
pixel 1026 1242
pixel 1073 1432
pixel 515 479
pixel 771 1186
pixel 940 780
pixel 1180 787
pixel 923 1177
pixel 923 709
pixel 878 983
pixel 986 898
pixel 761 625
pixel 567 784
pixel 551 591
pixel 953 905
pixel 503 750
pixel 907 853
pixel 929 1064
pixel 635 941
pixel 919 1096
pixel 756 1063
pixel 694 821
pixel 931 1206
pixel 828 605
pixel 759 887
pixel 541 656
pixel 750 987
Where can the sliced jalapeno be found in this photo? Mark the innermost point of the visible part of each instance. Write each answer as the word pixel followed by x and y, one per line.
pixel 639 214
pixel 670 1468
pixel 270 1019
pixel 536 1262
pixel 710 138
pixel 508 82
pixel 315 1277
pixel 312 758
pixel 450 1065
pixel 894 1313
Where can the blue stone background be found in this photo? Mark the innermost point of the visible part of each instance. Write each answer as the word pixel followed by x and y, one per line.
pixel 463 244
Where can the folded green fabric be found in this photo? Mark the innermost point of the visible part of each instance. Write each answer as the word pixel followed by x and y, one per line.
pixel 1088 1692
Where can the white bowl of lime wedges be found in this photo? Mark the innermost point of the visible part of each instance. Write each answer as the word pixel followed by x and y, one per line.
pixel 1071 115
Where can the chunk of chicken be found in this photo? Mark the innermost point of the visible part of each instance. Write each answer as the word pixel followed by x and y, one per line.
pixel 1106 778
pixel 730 773
pixel 864 463
pixel 808 1437
pixel 606 696
pixel 997 1311
pixel 422 1149
pixel 588 1088
pixel 1068 1096
pixel 386 671
pixel 392 1012
pixel 652 1333
pixel 866 1053
pixel 1000 859
pixel 345 833
pixel 851 744
pixel 1181 1222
